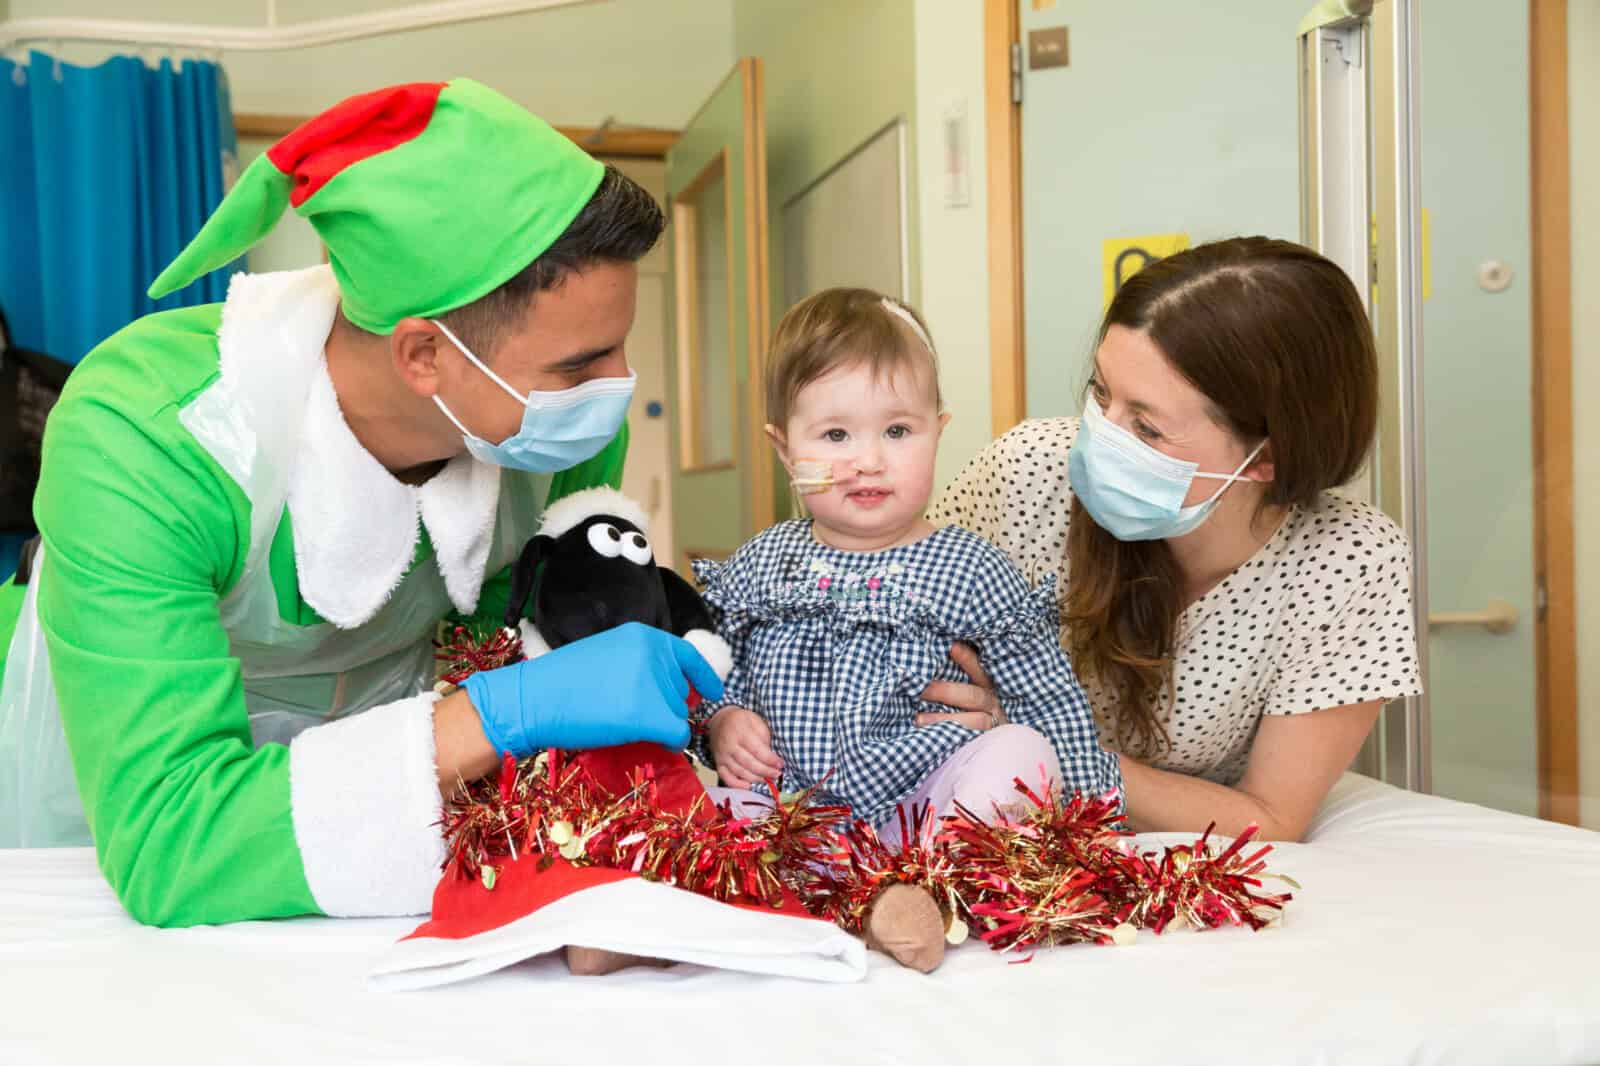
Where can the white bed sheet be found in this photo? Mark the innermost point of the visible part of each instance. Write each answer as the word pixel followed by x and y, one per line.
pixel 1427 931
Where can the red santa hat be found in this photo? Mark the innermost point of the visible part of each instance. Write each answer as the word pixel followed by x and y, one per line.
pixel 541 903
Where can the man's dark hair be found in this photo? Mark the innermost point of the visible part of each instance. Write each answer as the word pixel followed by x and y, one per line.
pixel 620 223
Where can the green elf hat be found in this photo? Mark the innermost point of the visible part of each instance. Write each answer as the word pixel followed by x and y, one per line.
pixel 427 196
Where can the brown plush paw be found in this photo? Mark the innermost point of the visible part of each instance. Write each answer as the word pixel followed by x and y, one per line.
pixel 596 962
pixel 904 923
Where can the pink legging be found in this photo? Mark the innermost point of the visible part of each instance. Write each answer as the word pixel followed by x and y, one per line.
pixel 978 776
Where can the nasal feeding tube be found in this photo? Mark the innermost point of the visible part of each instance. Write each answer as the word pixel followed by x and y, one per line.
pixel 813 476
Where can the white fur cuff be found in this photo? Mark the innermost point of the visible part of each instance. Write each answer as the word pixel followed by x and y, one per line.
pixel 364 795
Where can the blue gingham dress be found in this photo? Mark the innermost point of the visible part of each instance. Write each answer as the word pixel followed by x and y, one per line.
pixel 833 648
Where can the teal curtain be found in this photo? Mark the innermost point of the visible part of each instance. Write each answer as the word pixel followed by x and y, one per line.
pixel 106 172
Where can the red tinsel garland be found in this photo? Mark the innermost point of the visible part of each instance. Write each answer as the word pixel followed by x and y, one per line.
pixel 466 654
pixel 1062 872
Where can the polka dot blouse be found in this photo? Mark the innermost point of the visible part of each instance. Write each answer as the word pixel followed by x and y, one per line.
pixel 1319 617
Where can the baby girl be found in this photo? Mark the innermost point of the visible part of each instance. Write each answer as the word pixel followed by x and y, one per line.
pixel 838 622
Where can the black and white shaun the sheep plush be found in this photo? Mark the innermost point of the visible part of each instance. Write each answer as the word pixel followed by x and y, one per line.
pixel 599 571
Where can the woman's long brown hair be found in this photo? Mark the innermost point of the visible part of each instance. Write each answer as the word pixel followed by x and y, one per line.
pixel 1275 336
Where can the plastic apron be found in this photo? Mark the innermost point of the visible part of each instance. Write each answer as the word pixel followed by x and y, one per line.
pixel 294 676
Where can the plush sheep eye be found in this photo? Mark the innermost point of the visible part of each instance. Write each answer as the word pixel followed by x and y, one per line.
pixel 636 549
pixel 605 540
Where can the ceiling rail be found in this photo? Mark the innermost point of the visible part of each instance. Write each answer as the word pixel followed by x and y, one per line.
pixel 271 37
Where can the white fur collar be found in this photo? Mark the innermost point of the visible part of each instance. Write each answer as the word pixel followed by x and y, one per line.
pixel 355 525
pixel 459 505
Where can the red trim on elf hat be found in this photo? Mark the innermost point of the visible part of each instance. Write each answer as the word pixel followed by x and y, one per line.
pixel 361 127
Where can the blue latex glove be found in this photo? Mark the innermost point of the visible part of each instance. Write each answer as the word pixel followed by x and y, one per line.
pixel 626 684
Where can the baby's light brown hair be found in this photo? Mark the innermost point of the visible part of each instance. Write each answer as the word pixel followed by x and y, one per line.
pixel 843 327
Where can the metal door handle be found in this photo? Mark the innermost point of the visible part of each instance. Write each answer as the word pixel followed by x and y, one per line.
pixel 1497 616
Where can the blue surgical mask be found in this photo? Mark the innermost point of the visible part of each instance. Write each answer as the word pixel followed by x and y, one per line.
pixel 1133 491
pixel 559 429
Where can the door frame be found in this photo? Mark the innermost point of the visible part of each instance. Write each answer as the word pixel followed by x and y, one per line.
pixel 761 483
pixel 1002 113
pixel 1556 624
pixel 754 479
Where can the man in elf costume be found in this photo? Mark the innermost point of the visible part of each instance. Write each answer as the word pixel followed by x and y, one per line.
pixel 254 515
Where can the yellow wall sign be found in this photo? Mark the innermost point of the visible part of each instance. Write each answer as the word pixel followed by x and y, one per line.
pixel 1427 255
pixel 1123 257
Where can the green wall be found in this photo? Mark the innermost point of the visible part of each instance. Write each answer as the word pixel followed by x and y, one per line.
pixel 1477 379
pixel 1171 117
pixel 836 72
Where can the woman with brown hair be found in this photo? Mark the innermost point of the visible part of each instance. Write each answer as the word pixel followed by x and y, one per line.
pixel 1237 623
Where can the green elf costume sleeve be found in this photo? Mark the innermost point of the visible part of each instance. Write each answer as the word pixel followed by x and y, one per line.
pixel 11 597
pixel 145 533
pixel 152 702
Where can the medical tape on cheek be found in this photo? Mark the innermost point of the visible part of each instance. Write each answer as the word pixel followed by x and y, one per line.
pixel 812 476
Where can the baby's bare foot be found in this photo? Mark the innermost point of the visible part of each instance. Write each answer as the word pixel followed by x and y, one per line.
pixel 596 962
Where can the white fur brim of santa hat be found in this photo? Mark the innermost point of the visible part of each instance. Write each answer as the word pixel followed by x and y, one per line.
pixel 713 649
pixel 613 911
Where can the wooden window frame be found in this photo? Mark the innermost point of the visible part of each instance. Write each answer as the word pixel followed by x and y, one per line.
pixel 685 223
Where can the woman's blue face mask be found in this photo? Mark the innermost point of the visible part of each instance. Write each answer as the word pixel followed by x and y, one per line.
pixel 1133 491
pixel 559 429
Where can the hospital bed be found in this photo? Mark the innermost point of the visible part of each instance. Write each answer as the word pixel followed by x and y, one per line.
pixel 1426 931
